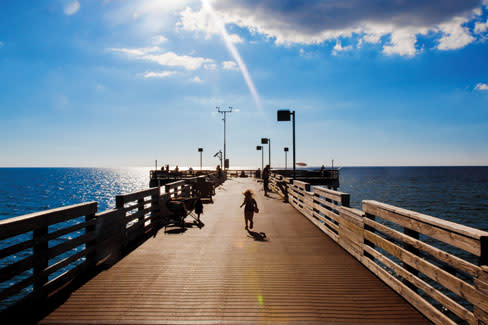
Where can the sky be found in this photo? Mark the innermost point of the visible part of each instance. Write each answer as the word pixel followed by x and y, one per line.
pixel 111 83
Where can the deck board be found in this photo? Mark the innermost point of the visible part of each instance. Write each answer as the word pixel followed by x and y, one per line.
pixel 220 274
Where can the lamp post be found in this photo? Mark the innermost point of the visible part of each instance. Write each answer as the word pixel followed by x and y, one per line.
pixel 262 156
pixel 286 157
pixel 268 142
pixel 200 150
pixel 284 115
pixel 224 112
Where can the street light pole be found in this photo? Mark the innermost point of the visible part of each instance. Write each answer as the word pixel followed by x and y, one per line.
pixel 286 157
pixel 268 142
pixel 284 115
pixel 262 155
pixel 294 151
pixel 200 150
pixel 224 112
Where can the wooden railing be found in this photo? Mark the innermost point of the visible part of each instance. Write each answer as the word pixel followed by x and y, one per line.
pixel 440 267
pixel 36 251
pixel 43 252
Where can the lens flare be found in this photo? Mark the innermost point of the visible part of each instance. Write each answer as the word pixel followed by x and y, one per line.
pixel 233 51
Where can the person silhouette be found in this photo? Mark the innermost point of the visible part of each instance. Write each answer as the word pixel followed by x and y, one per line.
pixel 198 208
pixel 250 207
pixel 266 174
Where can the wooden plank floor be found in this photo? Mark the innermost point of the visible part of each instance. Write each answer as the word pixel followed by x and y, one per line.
pixel 220 274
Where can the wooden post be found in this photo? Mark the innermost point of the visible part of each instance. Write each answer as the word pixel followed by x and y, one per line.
pixel 41 247
pixel 91 258
pixel 140 202
pixel 481 282
pixel 410 248
pixel 155 210
pixel 368 228
pixel 119 204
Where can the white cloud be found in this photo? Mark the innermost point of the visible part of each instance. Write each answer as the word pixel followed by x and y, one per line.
pixel 71 8
pixel 158 39
pixel 455 35
pixel 481 87
pixel 395 26
pixel 196 80
pixel 172 59
pixel 136 52
pixel 480 27
pixel 169 59
pixel 210 66
pixel 402 43
pixel 234 38
pixel 161 74
pixel 339 48
pixel 230 65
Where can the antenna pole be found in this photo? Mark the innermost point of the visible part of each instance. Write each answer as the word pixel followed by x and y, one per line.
pixel 224 112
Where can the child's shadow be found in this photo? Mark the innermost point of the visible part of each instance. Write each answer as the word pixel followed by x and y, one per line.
pixel 258 236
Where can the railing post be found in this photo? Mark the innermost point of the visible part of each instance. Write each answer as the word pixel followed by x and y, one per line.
pixel 414 234
pixel 365 241
pixel 91 258
pixel 155 209
pixel 41 247
pixel 140 209
pixel 119 204
pixel 481 282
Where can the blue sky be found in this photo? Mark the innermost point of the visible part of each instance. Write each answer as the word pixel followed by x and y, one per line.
pixel 122 83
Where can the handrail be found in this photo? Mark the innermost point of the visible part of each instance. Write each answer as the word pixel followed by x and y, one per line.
pixel 405 249
pixel 42 252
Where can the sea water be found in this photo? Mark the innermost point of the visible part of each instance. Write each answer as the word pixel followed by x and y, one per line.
pixel 458 194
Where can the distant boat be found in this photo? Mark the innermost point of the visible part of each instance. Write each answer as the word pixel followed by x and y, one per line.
pixel 301 164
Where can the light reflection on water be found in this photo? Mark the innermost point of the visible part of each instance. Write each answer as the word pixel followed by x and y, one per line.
pixel 27 190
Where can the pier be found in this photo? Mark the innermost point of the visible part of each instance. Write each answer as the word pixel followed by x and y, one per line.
pixel 312 260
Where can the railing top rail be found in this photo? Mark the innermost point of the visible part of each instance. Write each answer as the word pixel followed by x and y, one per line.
pixel 326 190
pixel 371 207
pixel 19 225
pixel 175 184
pixel 124 198
pixel 301 184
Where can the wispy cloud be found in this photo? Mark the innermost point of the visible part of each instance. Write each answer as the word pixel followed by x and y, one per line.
pixel 197 80
pixel 158 39
pixel 1 44
pixel 71 8
pixel 210 66
pixel 481 87
pixel 230 65
pixel 160 74
pixel 170 59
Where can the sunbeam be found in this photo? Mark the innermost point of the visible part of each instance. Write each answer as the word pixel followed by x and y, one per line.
pixel 234 52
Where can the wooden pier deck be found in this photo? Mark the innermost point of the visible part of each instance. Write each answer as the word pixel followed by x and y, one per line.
pixel 221 274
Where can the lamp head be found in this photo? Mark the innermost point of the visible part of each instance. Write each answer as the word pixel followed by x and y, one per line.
pixel 284 115
pixel 200 149
pixel 264 140
pixel 259 147
pixel 286 149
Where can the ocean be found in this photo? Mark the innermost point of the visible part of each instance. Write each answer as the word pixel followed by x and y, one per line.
pixel 458 194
